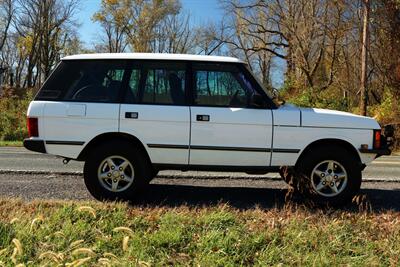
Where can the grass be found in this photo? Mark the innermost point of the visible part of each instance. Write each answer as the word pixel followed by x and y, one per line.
pixel 113 234
pixel 11 143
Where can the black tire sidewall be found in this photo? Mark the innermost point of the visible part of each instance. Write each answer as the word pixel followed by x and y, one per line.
pixel 350 163
pixel 115 148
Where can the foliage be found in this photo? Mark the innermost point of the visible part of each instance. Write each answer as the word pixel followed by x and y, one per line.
pixel 13 116
pixel 329 99
pixel 61 233
pixel 388 110
pixel 133 22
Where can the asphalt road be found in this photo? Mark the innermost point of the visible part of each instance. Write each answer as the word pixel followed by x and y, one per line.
pixel 381 188
pixel 384 168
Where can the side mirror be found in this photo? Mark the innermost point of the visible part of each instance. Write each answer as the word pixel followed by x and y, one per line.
pixel 257 101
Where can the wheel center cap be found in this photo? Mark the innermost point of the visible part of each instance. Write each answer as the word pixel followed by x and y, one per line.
pixel 115 174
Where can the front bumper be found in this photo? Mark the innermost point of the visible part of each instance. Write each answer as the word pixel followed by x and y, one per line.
pixel 378 152
pixel 35 145
pixel 387 142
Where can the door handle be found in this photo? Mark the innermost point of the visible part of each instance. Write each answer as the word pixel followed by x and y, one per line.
pixel 203 117
pixel 131 115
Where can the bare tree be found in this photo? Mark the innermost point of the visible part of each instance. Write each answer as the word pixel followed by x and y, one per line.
pixel 174 35
pixel 210 38
pixel 7 11
pixel 135 21
pixel 45 27
pixel 111 17
pixel 364 58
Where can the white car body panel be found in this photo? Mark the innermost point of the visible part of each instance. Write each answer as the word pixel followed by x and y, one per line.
pixel 76 122
pixel 159 125
pixel 230 128
pixel 287 115
pixel 336 119
pixel 300 137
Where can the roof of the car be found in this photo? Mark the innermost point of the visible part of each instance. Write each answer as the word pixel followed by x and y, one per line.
pixel 153 56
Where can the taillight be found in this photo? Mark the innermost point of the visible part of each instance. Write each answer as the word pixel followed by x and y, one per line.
pixel 33 129
pixel 377 139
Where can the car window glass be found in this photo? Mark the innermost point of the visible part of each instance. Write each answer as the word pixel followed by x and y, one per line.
pixel 157 83
pixel 216 87
pixel 164 86
pixel 91 81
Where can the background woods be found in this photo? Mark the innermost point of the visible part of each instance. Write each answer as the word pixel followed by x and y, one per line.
pixel 306 51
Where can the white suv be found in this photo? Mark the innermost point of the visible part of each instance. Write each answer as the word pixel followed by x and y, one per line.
pixel 130 115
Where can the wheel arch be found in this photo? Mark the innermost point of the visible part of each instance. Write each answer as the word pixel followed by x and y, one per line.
pixel 330 141
pixel 106 137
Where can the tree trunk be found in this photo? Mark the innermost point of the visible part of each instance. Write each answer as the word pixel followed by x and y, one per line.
pixel 364 59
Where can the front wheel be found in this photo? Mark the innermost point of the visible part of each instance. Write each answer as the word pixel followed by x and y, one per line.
pixel 329 175
pixel 116 171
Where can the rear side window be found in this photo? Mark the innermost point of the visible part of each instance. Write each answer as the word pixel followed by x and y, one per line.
pixel 85 81
pixel 157 83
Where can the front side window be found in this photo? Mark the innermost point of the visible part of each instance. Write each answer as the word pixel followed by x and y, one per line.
pixel 85 81
pixel 221 86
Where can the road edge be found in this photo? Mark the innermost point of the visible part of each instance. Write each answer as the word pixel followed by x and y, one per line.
pixel 183 176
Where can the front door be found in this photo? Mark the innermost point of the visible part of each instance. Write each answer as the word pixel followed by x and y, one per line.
pixel 227 128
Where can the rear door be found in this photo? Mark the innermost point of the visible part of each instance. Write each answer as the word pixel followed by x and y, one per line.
pixel 227 129
pixel 81 102
pixel 155 110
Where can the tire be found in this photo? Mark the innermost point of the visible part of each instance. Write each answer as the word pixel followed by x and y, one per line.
pixel 328 175
pixel 125 179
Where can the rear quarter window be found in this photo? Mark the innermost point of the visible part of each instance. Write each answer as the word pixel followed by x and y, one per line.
pixel 84 81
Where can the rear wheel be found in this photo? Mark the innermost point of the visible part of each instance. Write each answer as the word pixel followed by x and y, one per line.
pixel 116 171
pixel 328 175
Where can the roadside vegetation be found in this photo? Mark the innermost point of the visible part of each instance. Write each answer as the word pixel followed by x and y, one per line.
pixel 13 107
pixel 11 143
pixel 92 233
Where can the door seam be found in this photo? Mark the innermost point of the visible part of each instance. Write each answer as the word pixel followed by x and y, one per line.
pixel 119 118
pixel 190 134
pixel 272 138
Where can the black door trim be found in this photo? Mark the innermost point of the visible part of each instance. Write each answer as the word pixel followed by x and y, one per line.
pixel 168 146
pixel 225 148
pixel 71 143
pixel 217 168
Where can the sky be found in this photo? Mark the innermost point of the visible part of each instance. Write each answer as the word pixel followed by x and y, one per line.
pixel 202 11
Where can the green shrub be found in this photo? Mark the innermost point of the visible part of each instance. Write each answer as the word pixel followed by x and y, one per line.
pixel 13 116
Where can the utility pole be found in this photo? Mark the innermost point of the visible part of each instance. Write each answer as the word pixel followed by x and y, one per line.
pixel 364 59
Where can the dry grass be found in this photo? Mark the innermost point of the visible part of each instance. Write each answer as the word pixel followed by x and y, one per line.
pixel 114 234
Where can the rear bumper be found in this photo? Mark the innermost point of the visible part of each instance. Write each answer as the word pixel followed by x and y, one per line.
pixel 35 145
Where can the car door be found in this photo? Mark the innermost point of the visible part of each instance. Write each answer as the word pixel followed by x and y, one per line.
pixel 155 110
pixel 227 129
